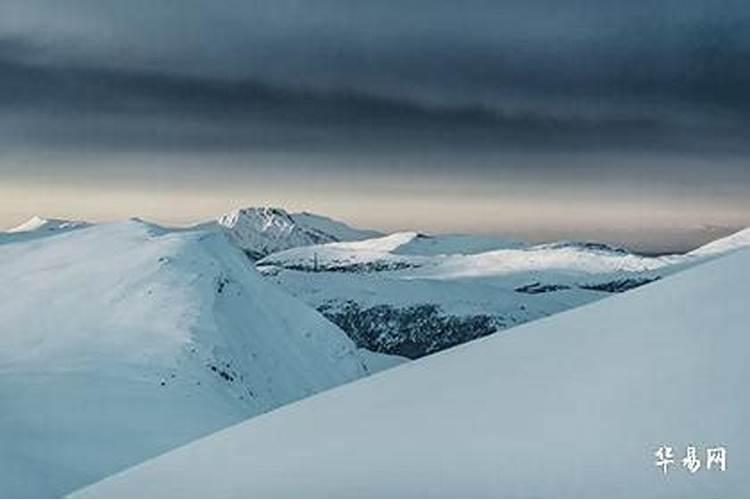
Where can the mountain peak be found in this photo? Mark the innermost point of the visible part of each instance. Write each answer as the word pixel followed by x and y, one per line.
pixel 32 224
pixel 260 218
pixel 260 231
pixel 39 223
pixel 261 211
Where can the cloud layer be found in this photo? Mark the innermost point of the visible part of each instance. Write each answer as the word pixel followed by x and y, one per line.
pixel 572 98
pixel 666 75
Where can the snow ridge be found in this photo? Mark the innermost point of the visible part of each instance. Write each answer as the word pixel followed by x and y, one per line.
pixel 120 341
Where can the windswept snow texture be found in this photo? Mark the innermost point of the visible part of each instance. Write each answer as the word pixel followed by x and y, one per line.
pixel 121 341
pixel 569 406
pixel 412 294
pixel 261 231
pixel 38 227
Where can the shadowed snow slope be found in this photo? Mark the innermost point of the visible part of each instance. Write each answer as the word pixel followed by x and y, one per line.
pixel 121 341
pixel 571 405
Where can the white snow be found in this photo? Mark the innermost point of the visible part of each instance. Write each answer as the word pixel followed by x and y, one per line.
pixel 396 247
pixel 264 230
pixel 413 243
pixel 569 406
pixel 439 261
pixel 37 223
pixel 450 244
pixel 371 273
pixel 121 341
pixel 732 242
pixel 37 227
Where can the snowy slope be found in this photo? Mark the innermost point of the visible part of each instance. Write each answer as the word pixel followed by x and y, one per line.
pixel 38 227
pixel 569 406
pixel 121 341
pixel 414 302
pixel 448 244
pixel 264 230
pixel 406 247
pixel 334 228
pixel 732 242
pixel 413 243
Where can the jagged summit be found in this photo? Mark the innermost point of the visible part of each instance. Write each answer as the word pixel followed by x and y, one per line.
pixel 260 231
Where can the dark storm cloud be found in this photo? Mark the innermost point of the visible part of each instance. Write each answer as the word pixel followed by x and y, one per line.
pixel 496 75
pixel 104 106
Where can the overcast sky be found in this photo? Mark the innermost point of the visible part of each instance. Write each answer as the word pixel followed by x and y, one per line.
pixel 619 120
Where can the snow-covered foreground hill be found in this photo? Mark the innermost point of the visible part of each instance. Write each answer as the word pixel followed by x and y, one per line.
pixel 121 341
pixel 413 294
pixel 573 405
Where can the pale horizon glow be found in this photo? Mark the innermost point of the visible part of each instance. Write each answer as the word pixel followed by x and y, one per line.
pixel 652 220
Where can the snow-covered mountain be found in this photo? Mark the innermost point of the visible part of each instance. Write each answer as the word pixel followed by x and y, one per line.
pixel 421 244
pixel 411 294
pixel 264 230
pixel 37 227
pixel 120 341
pixel 451 244
pixel 574 405
pixel 158 336
pixel 37 223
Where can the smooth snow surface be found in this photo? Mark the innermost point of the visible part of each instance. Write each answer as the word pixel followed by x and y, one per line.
pixel 121 341
pixel 732 242
pixel 568 406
